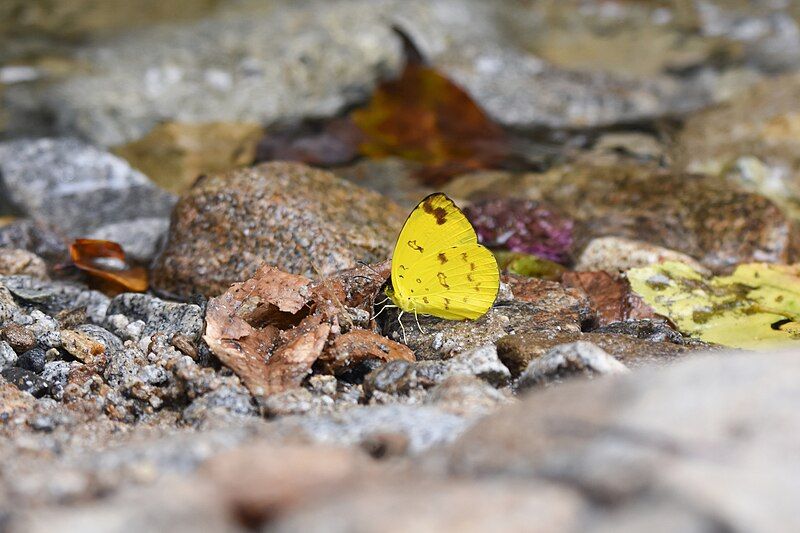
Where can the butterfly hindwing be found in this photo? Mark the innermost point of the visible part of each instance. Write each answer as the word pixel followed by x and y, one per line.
pixel 438 267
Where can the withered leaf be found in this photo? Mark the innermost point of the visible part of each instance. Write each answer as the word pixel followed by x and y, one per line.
pixel 292 362
pixel 360 345
pixel 105 263
pixel 355 288
pixel 425 117
pixel 610 297
pixel 242 324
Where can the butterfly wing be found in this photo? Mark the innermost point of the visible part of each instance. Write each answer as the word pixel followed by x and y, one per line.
pixel 438 267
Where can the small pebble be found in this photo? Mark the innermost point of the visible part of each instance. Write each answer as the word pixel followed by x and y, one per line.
pixel 26 381
pixel 33 360
pixel 8 357
pixel 18 337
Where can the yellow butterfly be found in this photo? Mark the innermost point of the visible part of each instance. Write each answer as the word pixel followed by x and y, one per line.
pixel 438 267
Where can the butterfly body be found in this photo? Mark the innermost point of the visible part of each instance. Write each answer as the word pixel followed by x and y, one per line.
pixel 438 267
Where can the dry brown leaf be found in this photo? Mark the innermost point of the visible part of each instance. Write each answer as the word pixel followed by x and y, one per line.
pixel 360 345
pixel 610 297
pixel 425 117
pixel 355 288
pixel 292 362
pixel 106 265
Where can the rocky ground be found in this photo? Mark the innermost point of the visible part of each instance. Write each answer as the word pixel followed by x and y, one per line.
pixel 251 387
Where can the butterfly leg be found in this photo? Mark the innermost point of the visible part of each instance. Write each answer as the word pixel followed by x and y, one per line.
pixel 417 319
pixel 402 327
pixel 373 317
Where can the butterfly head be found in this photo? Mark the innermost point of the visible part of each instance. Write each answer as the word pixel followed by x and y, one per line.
pixel 403 303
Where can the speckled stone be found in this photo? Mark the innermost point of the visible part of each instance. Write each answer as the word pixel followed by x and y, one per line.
pixel 299 219
pixel 701 216
pixel 517 351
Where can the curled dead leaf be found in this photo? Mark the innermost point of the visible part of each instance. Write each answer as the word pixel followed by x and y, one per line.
pixel 106 265
pixel 242 325
pixel 360 345
pixel 610 297
pixel 292 362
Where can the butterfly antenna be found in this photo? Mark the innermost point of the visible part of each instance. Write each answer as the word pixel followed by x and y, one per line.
pixel 365 264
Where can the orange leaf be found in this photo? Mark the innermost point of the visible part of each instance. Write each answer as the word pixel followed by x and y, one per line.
pixel 105 263
pixel 425 117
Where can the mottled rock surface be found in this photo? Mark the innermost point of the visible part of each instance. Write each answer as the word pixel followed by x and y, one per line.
pixel 14 261
pixel 75 186
pixel 751 141
pixel 289 215
pixel 700 216
pixel 676 439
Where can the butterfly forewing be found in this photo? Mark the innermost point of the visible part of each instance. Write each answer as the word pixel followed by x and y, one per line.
pixel 438 265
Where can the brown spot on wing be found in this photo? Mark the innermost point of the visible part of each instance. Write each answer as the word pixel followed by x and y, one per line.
pixel 447 303
pixel 442 258
pixel 443 280
pixel 414 246
pixel 425 299
pixel 464 256
pixel 470 277
pixel 439 213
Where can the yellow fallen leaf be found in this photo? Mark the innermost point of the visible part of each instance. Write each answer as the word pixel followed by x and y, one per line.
pixel 758 306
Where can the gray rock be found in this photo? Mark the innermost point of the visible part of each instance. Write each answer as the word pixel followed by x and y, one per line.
pixel 424 426
pixel 297 218
pixel 38 238
pixel 223 402
pixel 32 360
pixel 403 377
pixel 159 316
pixel 124 365
pixel 467 396
pixel 480 362
pixel 75 186
pixel 575 358
pixel 277 64
pixel 110 342
pixel 297 401
pixel 712 438
pixel 8 357
pixel 16 261
pixel 26 381
pixel 55 296
pixel 8 307
pixel 153 375
pixel 441 339
pixel 56 374
pixel 141 238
